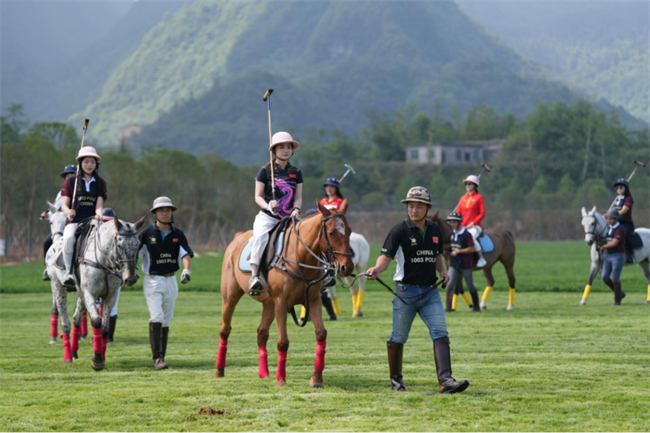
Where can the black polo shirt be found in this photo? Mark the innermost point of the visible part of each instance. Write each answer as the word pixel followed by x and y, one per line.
pixel 162 254
pixel 286 181
pixel 414 251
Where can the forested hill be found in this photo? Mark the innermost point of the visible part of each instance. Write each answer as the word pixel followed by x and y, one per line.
pixel 197 78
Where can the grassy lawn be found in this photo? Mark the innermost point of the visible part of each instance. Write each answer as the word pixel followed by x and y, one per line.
pixel 548 365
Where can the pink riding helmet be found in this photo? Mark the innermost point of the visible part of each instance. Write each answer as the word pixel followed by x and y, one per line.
pixel 88 151
pixel 283 137
pixel 473 179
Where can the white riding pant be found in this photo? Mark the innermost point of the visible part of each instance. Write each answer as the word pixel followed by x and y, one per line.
pixel 69 238
pixel 476 232
pixel 160 293
pixel 261 228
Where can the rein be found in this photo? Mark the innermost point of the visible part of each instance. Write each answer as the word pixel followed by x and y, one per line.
pixel 380 281
pixel 324 267
pixel 112 268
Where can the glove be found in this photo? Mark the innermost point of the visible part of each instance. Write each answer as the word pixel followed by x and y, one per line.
pixel 185 276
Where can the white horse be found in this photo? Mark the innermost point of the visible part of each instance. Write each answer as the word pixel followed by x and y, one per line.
pixel 57 224
pixel 361 256
pixel 596 227
pixel 107 262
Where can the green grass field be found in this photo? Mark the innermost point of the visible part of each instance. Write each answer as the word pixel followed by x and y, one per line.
pixel 549 365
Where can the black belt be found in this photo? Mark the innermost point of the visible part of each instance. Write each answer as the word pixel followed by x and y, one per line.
pixel 419 286
pixel 171 274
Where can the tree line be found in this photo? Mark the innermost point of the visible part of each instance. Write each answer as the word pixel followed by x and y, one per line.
pixel 562 156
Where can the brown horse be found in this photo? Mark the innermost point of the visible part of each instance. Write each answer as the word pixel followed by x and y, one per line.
pixel 504 252
pixel 324 232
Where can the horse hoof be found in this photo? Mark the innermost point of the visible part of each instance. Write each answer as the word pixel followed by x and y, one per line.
pixel 647 302
pixel 83 337
pixel 53 340
pixel 267 377
pixel 97 364
pixel 75 355
pixel 510 307
pixel 314 384
pixel 282 383
pixel 583 302
pixel 68 361
pixel 219 373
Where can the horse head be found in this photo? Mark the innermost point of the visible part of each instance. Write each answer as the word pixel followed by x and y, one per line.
pixel 335 239
pixel 126 248
pixel 57 221
pixel 591 223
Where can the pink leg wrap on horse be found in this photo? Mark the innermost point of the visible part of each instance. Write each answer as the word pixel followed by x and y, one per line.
pixel 97 341
pixel 67 353
pixel 221 354
pixel 319 364
pixel 53 325
pixel 264 362
pixel 281 372
pixel 104 344
pixel 101 310
pixel 76 333
pixel 84 324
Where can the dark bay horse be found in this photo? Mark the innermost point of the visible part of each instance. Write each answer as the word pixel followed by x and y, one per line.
pixel 504 252
pixel 323 232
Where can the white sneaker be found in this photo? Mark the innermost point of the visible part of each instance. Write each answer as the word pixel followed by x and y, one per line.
pixel 481 262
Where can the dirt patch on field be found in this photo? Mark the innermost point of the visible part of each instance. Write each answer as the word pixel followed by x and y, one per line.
pixel 208 411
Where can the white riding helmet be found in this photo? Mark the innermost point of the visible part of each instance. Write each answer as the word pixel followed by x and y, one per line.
pixel 283 137
pixel 471 178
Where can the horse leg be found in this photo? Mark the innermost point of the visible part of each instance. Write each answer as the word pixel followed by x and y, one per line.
pixel 316 313
pixel 62 305
pixel 355 295
pixel 487 272
pixel 108 305
pixel 510 272
pixel 97 360
pixel 592 276
pixel 268 315
pixel 360 293
pixel 645 265
pixel 54 318
pixel 76 327
pixel 281 309
pixel 231 294
pixel 84 325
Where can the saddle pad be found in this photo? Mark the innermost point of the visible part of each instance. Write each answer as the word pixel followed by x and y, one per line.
pixel 635 241
pixel 245 254
pixel 486 243
pixel 59 261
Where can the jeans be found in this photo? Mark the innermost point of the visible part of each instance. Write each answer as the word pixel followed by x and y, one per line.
pixel 613 264
pixel 429 308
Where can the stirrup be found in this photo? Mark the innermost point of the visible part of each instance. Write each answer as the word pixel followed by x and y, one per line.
pixel 256 286
pixel 329 281
pixel 69 281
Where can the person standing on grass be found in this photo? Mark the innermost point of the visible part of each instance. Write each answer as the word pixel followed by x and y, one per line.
pixel 615 255
pixel 462 262
pixel 415 244
pixel 163 246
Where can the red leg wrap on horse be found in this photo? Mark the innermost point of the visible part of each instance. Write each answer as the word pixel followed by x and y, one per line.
pixel 97 341
pixel 221 354
pixel 104 344
pixel 67 353
pixel 281 372
pixel 319 364
pixel 54 320
pixel 76 333
pixel 101 310
pixel 264 362
pixel 84 324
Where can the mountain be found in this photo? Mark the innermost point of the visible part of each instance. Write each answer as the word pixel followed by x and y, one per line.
pixel 56 55
pixel 601 47
pixel 195 81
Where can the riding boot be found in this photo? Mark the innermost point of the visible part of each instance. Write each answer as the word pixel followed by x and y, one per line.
pixel 450 296
pixel 476 307
pixel 327 303
pixel 448 384
pixel 155 339
pixel 610 284
pixel 69 280
pixel 255 284
pixel 618 293
pixel 112 323
pixel 630 260
pixel 395 351
pixel 165 336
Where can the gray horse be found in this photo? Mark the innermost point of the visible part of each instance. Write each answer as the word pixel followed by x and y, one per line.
pixel 596 228
pixel 107 261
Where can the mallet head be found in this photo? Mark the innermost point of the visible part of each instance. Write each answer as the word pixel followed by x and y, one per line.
pixel 268 94
pixel 349 167
pixel 86 122
pixel 486 167
pixel 639 163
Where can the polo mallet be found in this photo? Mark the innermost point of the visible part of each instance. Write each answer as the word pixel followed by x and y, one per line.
pixel 76 178
pixel 349 169
pixel 267 98
pixel 638 164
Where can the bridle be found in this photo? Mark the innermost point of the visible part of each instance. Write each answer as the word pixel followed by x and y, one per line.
pixel 324 267
pixel 112 268
pixel 592 229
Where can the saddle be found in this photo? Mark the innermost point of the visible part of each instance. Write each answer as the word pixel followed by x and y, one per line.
pixel 635 241
pixel 272 250
pixel 82 233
